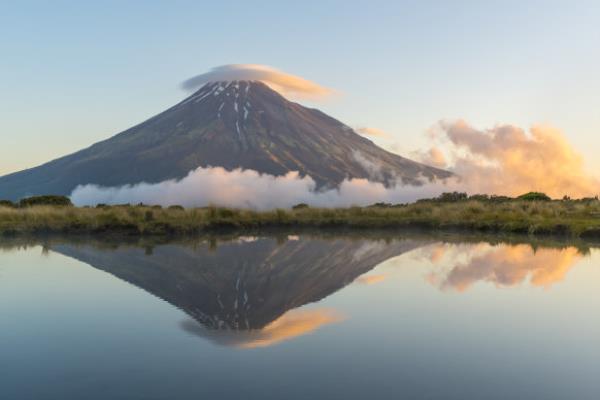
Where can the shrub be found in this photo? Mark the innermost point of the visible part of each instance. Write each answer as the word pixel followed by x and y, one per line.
pixel 451 197
pixel 534 196
pixel 225 213
pixel 281 215
pixel 7 203
pixel 176 207
pixel 381 205
pixel 500 199
pixel 300 206
pixel 45 201
pixel 479 197
pixel 475 208
pixel 211 213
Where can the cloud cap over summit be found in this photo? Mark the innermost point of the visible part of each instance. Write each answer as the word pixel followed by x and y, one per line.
pixel 289 85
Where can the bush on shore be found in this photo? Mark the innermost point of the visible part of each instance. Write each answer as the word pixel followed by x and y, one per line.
pixel 50 200
pixel 534 196
pixel 7 203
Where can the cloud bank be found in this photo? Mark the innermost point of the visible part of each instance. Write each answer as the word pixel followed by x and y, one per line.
pixel 510 161
pixel 288 85
pixel 249 189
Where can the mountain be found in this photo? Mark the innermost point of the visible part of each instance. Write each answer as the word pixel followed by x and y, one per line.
pixel 237 124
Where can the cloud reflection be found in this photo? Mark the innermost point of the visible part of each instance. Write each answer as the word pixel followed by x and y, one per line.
pixel 292 324
pixel 503 265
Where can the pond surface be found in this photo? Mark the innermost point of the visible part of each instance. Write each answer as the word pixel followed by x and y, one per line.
pixel 299 317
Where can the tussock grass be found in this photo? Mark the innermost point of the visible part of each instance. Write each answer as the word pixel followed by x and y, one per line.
pixel 573 218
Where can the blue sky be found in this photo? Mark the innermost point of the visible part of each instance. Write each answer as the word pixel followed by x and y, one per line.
pixel 73 73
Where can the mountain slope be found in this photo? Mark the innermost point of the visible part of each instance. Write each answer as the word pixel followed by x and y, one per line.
pixel 238 124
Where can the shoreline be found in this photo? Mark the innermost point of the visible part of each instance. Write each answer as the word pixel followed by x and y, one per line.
pixel 564 219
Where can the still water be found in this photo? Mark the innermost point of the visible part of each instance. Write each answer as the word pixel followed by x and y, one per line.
pixel 299 317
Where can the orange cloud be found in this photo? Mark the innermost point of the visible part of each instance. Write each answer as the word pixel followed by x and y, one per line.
pixel 505 265
pixel 434 157
pixel 371 279
pixel 437 253
pixel 288 85
pixel 290 325
pixel 374 132
pixel 508 160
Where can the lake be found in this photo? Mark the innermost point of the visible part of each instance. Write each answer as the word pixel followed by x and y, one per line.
pixel 299 317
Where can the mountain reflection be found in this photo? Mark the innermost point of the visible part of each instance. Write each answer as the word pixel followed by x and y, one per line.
pixel 248 292
pixel 244 292
pixel 460 266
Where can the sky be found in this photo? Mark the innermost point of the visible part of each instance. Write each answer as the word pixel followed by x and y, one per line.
pixel 74 73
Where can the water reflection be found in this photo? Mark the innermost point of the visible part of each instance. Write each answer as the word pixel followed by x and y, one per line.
pixel 247 291
pixel 325 317
pixel 462 266
pixel 292 324
pixel 244 292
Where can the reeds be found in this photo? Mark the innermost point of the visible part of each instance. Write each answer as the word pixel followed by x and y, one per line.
pixel 565 217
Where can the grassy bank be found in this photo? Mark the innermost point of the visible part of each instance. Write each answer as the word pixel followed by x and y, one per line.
pixel 573 218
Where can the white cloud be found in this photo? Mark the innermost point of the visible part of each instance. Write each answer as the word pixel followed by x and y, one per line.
pixel 288 85
pixel 249 189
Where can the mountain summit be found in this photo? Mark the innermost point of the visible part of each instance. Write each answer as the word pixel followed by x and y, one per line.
pixel 233 124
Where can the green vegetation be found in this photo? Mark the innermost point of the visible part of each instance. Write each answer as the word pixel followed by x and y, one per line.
pixel 534 196
pixel 450 212
pixel 7 203
pixel 57 201
pixel 300 206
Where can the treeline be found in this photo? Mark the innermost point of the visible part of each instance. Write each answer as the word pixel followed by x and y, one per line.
pixel 462 197
pixel 530 196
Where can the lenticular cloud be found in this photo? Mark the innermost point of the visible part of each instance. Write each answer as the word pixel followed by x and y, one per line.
pixel 288 85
